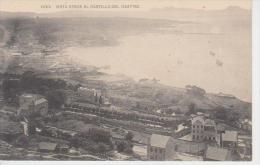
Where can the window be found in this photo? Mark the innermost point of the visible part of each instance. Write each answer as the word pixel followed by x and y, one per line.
pixel 214 138
pixel 193 137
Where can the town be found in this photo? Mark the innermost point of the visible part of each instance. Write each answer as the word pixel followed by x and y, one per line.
pixel 51 119
pixel 164 84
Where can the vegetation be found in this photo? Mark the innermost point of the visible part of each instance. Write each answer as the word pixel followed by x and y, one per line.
pixel 124 146
pixel 129 136
pixel 52 90
pixel 22 141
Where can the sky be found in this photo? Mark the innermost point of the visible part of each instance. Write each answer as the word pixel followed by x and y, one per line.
pixel 35 5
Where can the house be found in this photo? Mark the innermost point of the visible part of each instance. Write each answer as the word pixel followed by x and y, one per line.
pixel 187 145
pixel 26 101
pixel 203 129
pixel 217 154
pixel 32 103
pixel 47 147
pixel 140 151
pixel 90 95
pixel 210 130
pixel 160 147
pixel 41 105
pixel 245 124
pixel 140 139
pixel 62 148
pixel 117 138
pixel 197 128
pixel 93 96
pixel 229 139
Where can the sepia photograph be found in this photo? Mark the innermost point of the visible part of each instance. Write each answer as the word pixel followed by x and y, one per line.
pixel 126 80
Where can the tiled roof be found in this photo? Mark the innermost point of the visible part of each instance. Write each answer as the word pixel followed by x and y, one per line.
pixel 159 140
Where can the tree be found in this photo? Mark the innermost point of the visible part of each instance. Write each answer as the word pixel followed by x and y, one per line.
pixel 129 136
pixel 101 148
pixel 100 135
pixel 22 141
pixel 124 146
pixel 100 100
pixel 121 146
pixel 75 142
pixel 221 113
pixel 192 109
pixel 56 98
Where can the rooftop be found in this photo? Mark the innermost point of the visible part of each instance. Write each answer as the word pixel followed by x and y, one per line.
pixel 186 137
pixel 40 101
pixel 197 120
pixel 215 153
pixel 159 140
pixel 230 136
pixel 210 122
pixel 27 95
pixel 181 127
pixel 47 146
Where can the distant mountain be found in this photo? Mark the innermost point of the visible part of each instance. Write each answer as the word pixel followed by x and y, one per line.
pixel 5 15
pixel 156 13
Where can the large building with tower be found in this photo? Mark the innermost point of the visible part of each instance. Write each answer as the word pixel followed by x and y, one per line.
pixel 203 129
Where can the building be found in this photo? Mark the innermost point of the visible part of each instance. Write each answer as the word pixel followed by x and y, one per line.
pixel 229 139
pixel 160 147
pixel 203 129
pixel 217 154
pixel 90 95
pixel 245 124
pixel 93 96
pixel 210 130
pixel 41 105
pixel 62 148
pixel 188 146
pixel 32 103
pixel 197 128
pixel 47 147
pixel 26 101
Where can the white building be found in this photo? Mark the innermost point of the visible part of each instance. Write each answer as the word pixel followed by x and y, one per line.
pixel 203 129
pixel 229 139
pixel 32 103
pixel 160 147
